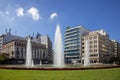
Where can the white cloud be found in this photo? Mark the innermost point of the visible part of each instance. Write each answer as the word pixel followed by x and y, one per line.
pixel 20 12
pixel 53 15
pixel 30 12
pixel 7 12
pixel 34 12
pixel 4 13
pixel 1 13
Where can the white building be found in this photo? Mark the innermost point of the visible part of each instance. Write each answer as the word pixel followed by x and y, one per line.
pixel 49 52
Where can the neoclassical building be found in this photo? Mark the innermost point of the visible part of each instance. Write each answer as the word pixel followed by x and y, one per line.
pixel 17 51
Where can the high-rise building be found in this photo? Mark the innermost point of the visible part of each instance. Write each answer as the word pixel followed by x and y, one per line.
pixel 72 43
pixel 100 46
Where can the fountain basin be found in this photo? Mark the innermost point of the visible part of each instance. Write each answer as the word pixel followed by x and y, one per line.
pixel 50 67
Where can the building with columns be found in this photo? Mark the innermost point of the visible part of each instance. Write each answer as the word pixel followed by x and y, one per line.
pixel 16 49
pixel 45 39
pixel 49 51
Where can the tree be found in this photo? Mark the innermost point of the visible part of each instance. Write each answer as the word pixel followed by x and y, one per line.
pixel 115 60
pixel 3 56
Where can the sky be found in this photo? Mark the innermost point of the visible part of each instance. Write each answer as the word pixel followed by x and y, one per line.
pixel 26 17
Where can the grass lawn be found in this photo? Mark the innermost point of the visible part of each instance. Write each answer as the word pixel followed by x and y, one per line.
pixel 100 74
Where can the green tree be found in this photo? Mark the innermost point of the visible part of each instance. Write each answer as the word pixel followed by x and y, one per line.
pixel 3 56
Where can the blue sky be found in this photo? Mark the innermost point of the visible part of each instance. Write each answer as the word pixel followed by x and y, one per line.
pixel 27 16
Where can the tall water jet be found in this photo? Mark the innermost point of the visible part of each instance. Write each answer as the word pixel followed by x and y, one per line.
pixel 29 61
pixel 40 62
pixel 58 49
pixel 86 55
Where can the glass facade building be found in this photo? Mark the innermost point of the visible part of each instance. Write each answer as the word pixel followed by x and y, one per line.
pixel 72 44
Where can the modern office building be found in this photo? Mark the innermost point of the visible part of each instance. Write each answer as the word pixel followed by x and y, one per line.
pixel 16 49
pixel 72 43
pixel 100 46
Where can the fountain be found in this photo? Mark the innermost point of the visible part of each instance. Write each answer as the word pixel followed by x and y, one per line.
pixel 86 55
pixel 58 58
pixel 58 49
pixel 40 62
pixel 29 61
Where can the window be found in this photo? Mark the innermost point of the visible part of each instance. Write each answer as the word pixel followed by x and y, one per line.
pixel 12 53
pixel 17 53
pixel 90 42
pixel 94 55
pixel 91 50
pixel 95 50
pixel 90 38
pixel 90 46
pixel 95 46
pixel 95 37
pixel 83 39
pixel 95 41
pixel 82 43
pixel 21 52
pixel 82 47
pixel 15 43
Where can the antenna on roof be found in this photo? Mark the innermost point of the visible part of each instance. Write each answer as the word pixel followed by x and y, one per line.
pixel 10 31
pixel 6 30
pixel 33 35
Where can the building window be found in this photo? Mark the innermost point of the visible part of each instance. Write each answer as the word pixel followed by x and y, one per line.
pixel 93 55
pixel 95 37
pixel 82 51
pixel 12 53
pixel 15 43
pixel 90 38
pixel 22 52
pixel 82 39
pixel 17 53
pixel 95 41
pixel 90 46
pixel 90 42
pixel 82 43
pixel 91 51
pixel 82 47
pixel 95 50
pixel 95 46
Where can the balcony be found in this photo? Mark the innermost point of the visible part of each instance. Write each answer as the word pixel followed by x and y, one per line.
pixel 72 49
pixel 70 32
pixel 72 35
pixel 70 39
pixel 72 52
pixel 71 45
